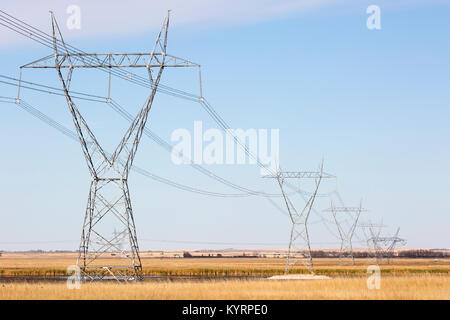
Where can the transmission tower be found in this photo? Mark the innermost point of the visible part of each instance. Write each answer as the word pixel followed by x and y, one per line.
pixel 384 246
pixel 370 230
pixel 109 200
pixel 346 230
pixel 299 249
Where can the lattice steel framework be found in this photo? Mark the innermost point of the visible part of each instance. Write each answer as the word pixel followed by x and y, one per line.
pixel 109 197
pixel 384 246
pixel 346 229
pixel 371 230
pixel 299 249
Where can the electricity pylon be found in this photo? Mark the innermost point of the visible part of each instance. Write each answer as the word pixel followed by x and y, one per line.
pixel 346 230
pixel 109 196
pixel 384 246
pixel 371 230
pixel 299 249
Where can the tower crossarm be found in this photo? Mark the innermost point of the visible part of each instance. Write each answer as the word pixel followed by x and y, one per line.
pixel 345 209
pixel 387 239
pixel 110 60
pixel 371 226
pixel 299 175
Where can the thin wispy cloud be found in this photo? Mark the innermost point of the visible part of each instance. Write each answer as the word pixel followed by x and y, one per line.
pixel 114 18
pixel 111 18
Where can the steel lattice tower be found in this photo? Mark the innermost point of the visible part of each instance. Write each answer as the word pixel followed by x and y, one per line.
pixel 346 231
pixel 299 249
pixel 384 246
pixel 109 196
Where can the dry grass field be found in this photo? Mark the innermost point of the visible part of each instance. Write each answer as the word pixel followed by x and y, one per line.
pixel 404 279
pixel 29 264
pixel 392 287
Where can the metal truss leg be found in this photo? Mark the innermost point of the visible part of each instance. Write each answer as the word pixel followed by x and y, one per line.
pixel 109 208
pixel 346 253
pixel 299 248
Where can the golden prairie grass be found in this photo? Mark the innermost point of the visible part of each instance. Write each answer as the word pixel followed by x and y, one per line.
pixel 56 264
pixel 392 287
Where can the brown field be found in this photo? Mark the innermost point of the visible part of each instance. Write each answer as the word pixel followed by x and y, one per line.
pixel 29 264
pixel 392 287
pixel 403 279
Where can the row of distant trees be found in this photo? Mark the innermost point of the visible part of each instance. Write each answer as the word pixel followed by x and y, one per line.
pixel 418 253
pixel 413 253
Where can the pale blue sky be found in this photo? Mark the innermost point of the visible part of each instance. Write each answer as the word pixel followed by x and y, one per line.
pixel 374 104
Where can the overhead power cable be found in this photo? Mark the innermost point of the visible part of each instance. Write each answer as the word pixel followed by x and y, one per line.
pixel 37 35
pixel 178 241
pixel 148 132
pixel 70 134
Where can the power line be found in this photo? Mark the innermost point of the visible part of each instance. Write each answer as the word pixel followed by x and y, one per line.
pixel 49 87
pixel 115 106
pixel 37 35
pixel 70 134
pixel 174 241
pixel 45 39
pixel 161 142
pixel 52 42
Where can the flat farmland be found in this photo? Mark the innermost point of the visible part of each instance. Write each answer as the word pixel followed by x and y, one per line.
pixel 55 264
pixel 391 287
pixel 29 276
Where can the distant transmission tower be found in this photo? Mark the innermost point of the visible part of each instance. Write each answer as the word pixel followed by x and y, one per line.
pixel 384 246
pixel 346 230
pixel 109 203
pixel 299 249
pixel 371 230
